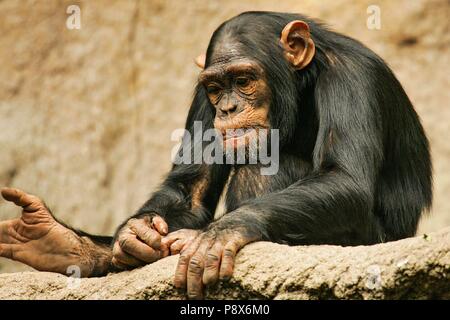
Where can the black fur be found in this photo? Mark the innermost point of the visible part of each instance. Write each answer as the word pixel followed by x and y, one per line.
pixel 354 165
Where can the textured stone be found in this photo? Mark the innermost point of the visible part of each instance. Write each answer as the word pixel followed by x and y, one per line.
pixel 414 268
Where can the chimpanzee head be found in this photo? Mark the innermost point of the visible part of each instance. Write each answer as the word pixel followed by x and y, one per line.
pixel 250 74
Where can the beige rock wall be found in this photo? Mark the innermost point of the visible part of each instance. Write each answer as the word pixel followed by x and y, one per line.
pixel 86 115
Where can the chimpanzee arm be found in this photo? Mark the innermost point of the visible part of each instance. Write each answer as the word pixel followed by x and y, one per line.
pixel 174 199
pixel 330 208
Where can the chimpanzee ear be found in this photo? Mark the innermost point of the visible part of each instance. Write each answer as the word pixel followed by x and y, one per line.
pixel 298 46
pixel 200 61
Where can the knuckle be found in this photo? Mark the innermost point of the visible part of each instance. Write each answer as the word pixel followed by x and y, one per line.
pixel 153 235
pixel 123 242
pixel 123 231
pixel 147 235
pixel 195 265
pixel 35 200
pixel 184 259
pixel 115 251
pixel 188 250
pixel 228 252
pixel 212 260
pixel 131 221
pixel 184 249
pixel 147 218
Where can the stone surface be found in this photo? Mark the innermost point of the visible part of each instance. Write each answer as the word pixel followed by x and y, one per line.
pixel 86 115
pixel 414 268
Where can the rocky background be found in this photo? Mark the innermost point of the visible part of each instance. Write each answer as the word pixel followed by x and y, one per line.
pixel 86 115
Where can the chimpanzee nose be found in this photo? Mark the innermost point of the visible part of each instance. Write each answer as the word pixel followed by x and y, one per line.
pixel 229 109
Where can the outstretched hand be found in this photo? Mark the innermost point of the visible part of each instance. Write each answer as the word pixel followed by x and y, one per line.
pixel 38 240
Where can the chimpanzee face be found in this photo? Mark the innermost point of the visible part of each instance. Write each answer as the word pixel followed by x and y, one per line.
pixel 237 89
pixel 237 86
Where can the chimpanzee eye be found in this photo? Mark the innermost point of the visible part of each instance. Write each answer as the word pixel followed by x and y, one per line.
pixel 212 89
pixel 242 81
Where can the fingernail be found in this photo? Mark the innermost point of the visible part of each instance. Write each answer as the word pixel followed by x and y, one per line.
pixel 225 278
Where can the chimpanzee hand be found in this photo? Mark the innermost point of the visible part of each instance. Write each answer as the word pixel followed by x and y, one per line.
pixel 37 239
pixel 139 242
pixel 207 258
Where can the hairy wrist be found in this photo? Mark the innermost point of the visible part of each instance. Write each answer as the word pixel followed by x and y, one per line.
pixel 96 258
pixel 240 223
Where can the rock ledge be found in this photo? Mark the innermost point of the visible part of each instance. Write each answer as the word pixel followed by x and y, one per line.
pixel 414 268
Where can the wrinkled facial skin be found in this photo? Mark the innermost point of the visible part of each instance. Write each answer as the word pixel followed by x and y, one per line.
pixel 237 89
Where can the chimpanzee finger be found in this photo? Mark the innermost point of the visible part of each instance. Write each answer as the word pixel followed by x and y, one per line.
pixel 181 234
pixel 179 245
pixel 145 233
pixel 176 246
pixel 183 263
pixel 124 258
pixel 6 250
pixel 171 238
pixel 228 256
pixel 119 265
pixel 195 271
pixel 22 199
pixel 212 264
pixel 160 225
pixel 139 249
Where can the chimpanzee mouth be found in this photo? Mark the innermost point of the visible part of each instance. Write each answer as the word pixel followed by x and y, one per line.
pixel 235 134
pixel 232 133
pixel 243 137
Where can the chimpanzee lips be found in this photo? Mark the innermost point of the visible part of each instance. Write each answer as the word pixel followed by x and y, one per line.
pixel 230 133
pixel 241 136
pixel 235 133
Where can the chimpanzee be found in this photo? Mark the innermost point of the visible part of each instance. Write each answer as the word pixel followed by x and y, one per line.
pixel 354 163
